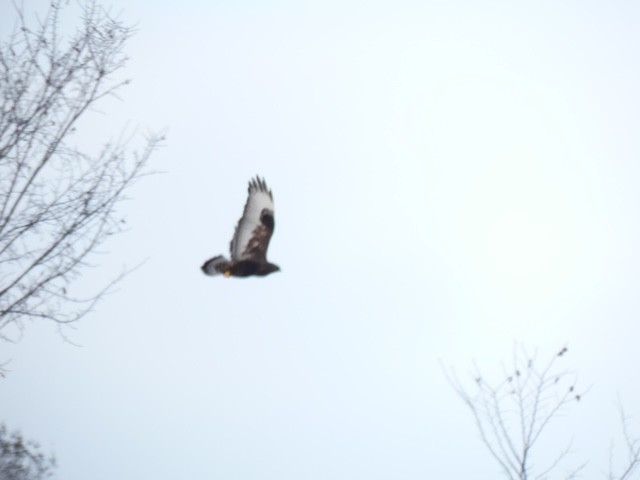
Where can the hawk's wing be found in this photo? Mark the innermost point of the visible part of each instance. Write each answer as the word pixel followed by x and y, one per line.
pixel 253 232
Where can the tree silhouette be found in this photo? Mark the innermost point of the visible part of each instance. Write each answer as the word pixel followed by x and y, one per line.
pixel 58 204
pixel 22 459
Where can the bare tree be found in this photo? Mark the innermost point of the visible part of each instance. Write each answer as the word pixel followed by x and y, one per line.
pixel 513 414
pixel 57 202
pixel 22 459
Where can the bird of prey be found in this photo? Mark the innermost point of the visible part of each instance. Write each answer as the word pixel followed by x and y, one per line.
pixel 251 238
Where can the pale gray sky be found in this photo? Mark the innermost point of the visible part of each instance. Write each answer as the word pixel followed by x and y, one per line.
pixel 450 178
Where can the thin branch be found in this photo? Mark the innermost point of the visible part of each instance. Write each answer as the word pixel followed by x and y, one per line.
pixel 633 448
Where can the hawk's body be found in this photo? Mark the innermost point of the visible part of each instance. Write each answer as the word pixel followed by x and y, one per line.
pixel 251 238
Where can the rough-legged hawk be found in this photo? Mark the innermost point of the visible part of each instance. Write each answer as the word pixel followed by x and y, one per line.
pixel 251 238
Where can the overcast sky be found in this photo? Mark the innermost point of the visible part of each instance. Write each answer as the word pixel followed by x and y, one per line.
pixel 451 179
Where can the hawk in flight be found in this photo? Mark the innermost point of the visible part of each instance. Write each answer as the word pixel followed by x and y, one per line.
pixel 251 238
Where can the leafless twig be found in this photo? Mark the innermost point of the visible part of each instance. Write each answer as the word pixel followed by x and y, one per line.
pixel 632 444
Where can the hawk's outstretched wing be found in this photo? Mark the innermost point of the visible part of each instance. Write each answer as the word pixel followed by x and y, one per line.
pixel 255 227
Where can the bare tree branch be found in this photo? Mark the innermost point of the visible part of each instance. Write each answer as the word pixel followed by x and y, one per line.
pixel 58 204
pixel 633 450
pixel 512 415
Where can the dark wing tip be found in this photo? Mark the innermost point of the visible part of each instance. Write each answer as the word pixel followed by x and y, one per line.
pixel 260 185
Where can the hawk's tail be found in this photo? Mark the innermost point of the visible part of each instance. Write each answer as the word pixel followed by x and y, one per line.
pixel 215 265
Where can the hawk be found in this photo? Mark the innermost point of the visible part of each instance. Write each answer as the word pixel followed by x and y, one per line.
pixel 251 238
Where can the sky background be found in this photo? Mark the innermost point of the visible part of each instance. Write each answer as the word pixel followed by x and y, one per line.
pixel 451 180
